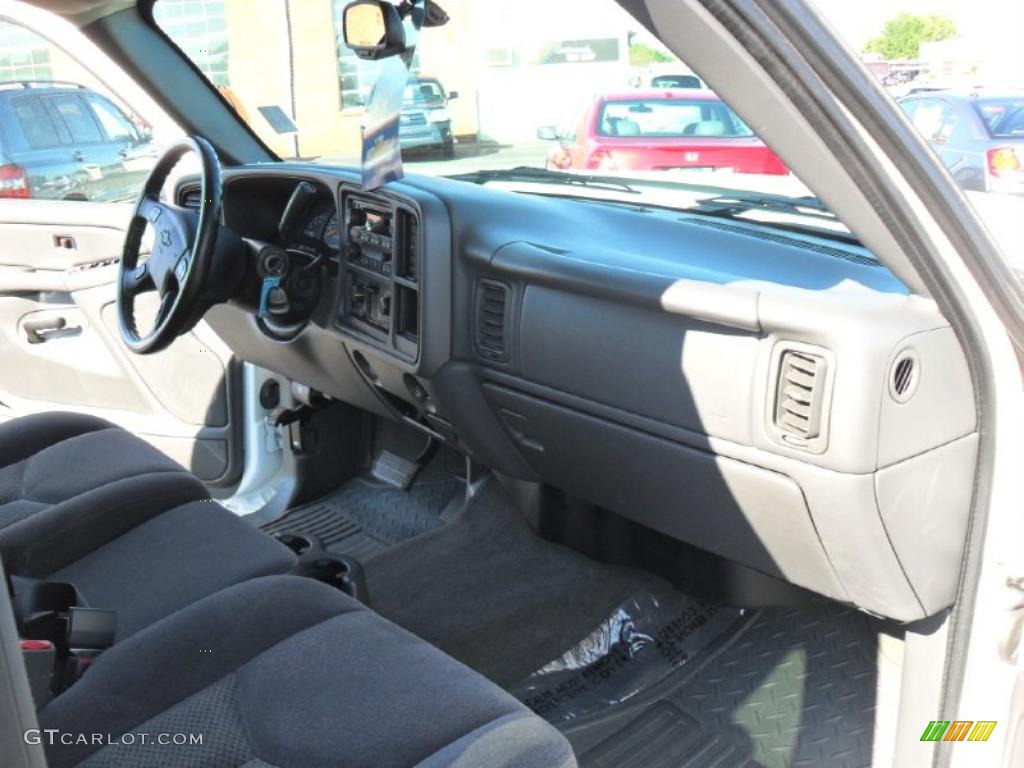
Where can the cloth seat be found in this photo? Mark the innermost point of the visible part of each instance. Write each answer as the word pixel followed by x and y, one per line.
pixel 172 560
pixel 70 483
pixel 285 672
pixel 86 502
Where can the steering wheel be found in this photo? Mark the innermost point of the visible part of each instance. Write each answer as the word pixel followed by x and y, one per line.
pixel 183 252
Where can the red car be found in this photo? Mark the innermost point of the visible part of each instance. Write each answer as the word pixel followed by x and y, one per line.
pixel 660 130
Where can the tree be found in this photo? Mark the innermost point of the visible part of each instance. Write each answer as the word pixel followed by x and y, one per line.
pixel 902 36
pixel 642 55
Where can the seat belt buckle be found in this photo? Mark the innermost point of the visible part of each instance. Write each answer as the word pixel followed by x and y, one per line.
pixel 92 628
pixel 76 662
pixel 90 631
pixel 53 612
pixel 40 656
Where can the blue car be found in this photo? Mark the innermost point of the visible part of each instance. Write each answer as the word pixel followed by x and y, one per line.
pixel 979 136
pixel 63 141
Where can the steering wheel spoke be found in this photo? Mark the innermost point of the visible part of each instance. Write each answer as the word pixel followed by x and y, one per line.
pixel 137 280
pixel 167 300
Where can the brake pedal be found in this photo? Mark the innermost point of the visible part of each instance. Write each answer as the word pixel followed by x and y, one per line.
pixel 395 471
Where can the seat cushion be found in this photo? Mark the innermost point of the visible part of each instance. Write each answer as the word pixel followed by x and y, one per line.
pixel 171 561
pixel 70 483
pixel 283 671
pixel 86 502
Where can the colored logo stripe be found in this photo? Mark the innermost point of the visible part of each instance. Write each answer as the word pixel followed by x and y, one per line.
pixel 958 730
pixel 982 730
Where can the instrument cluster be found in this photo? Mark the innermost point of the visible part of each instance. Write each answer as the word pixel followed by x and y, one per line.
pixel 323 227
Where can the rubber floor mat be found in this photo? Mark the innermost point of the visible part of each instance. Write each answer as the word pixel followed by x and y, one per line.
pixel 364 517
pixel 664 736
pixel 641 642
pixel 793 688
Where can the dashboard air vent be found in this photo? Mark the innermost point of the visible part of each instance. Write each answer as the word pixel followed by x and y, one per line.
pixel 799 394
pixel 906 371
pixel 492 320
pixel 406 259
pixel 190 198
pixel 794 242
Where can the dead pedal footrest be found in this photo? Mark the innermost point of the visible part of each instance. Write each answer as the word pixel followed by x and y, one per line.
pixel 393 470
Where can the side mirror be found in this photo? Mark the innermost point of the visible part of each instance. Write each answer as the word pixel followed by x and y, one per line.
pixel 143 131
pixel 547 133
pixel 373 29
pixel 453 95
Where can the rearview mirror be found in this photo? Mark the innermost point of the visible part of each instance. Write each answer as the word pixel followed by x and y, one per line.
pixel 373 29
pixel 547 133
pixel 453 95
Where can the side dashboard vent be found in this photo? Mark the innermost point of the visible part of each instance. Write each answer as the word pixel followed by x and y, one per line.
pixel 905 375
pixel 190 198
pixel 492 321
pixel 799 395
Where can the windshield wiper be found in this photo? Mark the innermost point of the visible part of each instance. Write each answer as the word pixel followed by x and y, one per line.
pixel 545 176
pixel 736 203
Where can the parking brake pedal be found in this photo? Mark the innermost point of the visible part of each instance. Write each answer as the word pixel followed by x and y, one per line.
pixel 394 470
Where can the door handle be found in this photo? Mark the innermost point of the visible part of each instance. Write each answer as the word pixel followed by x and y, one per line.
pixel 124 153
pixel 78 156
pixel 38 331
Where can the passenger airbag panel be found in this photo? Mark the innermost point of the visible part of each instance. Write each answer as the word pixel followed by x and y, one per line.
pixel 660 365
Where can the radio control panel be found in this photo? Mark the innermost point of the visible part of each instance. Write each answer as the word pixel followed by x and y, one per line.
pixel 371 235
pixel 379 272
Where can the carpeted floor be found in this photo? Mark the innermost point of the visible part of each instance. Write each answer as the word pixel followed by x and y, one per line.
pixel 636 673
pixel 489 592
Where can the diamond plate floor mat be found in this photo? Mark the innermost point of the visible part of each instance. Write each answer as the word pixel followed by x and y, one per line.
pixel 641 643
pixel 365 517
pixel 793 688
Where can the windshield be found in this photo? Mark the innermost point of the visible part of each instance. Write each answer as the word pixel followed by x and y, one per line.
pixel 588 90
pixel 676 81
pixel 670 118
pixel 423 93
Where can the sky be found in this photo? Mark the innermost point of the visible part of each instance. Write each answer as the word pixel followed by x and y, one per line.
pixel 860 20
pixel 997 23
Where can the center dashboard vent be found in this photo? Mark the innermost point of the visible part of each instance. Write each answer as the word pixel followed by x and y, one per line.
pixel 799 394
pixel 190 198
pixel 492 320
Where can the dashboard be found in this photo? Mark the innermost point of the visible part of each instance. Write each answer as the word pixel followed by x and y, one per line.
pixel 781 400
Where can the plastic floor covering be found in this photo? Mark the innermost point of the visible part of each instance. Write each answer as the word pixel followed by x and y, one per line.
pixel 364 517
pixel 781 688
